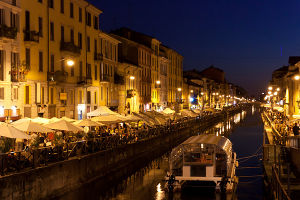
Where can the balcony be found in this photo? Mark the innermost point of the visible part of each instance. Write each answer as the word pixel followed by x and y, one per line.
pixel 70 47
pixel 157 86
pixel 58 76
pixel 83 80
pixel 98 56
pixel 104 78
pixel 118 79
pixel 130 93
pixel 8 32
pixel 31 36
pixel 146 79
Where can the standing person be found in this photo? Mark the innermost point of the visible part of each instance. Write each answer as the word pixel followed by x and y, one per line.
pixel 296 129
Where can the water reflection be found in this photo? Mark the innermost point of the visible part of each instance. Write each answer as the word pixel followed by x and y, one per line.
pixel 147 182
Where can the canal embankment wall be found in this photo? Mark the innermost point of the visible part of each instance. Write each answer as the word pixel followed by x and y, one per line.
pixel 57 178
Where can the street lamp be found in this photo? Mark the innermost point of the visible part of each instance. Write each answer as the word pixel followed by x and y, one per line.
pixel 131 77
pixel 192 91
pixel 270 88
pixel 158 82
pixel 297 77
pixel 278 89
pixel 179 89
pixel 70 62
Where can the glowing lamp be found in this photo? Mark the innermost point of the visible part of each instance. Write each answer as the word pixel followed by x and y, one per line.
pixel 70 63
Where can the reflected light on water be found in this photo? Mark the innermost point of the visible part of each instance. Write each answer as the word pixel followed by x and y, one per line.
pixel 159 193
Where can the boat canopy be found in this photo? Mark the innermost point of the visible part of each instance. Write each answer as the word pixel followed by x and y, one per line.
pixel 220 141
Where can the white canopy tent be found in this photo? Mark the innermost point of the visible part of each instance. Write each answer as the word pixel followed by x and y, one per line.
pixel 101 111
pixel 168 111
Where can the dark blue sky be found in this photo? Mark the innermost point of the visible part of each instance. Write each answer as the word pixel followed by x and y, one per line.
pixel 248 39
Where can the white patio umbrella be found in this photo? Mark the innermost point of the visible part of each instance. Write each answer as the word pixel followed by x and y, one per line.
pixel 68 119
pixel 7 130
pixel 63 125
pixel 168 111
pixel 88 122
pixel 54 119
pixel 108 119
pixel 41 120
pixel 29 126
pixel 26 119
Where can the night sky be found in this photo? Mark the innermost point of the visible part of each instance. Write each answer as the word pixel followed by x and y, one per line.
pixel 248 39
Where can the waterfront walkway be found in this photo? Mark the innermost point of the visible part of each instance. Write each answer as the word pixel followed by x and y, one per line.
pixel 37 157
pixel 278 166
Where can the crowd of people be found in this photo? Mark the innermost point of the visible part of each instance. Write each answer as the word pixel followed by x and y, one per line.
pixel 284 126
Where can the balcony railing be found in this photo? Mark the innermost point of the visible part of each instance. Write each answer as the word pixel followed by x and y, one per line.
pixel 118 79
pixel 130 93
pixel 70 47
pixel 58 76
pixel 146 79
pixel 83 80
pixel 31 36
pixel 8 32
pixel 98 56
pixel 104 78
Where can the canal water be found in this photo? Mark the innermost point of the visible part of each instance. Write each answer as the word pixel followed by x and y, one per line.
pixel 144 179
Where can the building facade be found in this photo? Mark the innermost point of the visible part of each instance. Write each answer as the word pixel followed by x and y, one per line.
pixel 11 73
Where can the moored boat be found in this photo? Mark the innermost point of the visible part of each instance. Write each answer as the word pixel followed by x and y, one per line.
pixel 203 160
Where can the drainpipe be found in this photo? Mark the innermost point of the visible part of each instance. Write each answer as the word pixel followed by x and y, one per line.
pixel 48 52
pixel 85 33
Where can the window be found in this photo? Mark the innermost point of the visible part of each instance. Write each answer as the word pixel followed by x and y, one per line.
pixel 71 10
pixel 40 61
pixel 51 3
pixel 101 93
pixel 71 97
pixel 51 31
pixel 27 20
pixel 14 20
pixel 62 62
pixel 80 14
pixel 80 40
pixel 52 63
pixel 88 97
pixel 51 95
pixel 80 68
pixel 41 1
pixel 27 58
pixel 96 72
pixel 27 94
pixel 88 70
pixel 96 22
pixel 72 71
pixel 42 95
pixel 88 44
pixel 15 95
pixel 14 2
pixel 72 35
pixel 1 65
pixel 95 98
pixel 2 93
pixel 80 97
pixel 41 26
pixel 62 6
pixel 95 46
pixel 62 33
pixel 2 16
pixel 88 19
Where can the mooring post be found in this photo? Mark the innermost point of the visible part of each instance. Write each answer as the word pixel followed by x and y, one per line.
pixel 288 186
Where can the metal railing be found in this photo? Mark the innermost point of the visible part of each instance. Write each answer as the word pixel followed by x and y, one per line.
pixel 279 192
pixel 37 157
